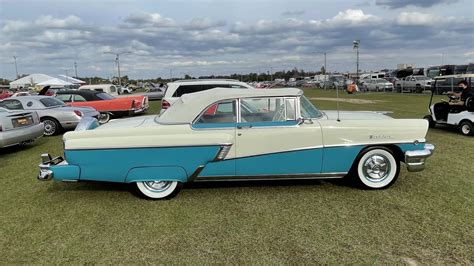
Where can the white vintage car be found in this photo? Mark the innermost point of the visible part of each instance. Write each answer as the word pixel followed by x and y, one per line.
pixel 229 134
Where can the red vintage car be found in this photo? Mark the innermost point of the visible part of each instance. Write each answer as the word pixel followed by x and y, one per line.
pixel 109 106
pixel 5 93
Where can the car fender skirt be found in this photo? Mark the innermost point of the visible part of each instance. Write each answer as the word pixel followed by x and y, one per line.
pixel 155 173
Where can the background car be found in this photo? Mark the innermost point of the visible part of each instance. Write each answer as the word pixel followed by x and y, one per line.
pixel 5 93
pixel 108 105
pixel 414 83
pixel 378 85
pixel 54 114
pixel 179 88
pixel 19 127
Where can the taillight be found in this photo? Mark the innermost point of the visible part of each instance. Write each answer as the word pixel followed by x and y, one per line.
pixel 165 104
pixel 78 113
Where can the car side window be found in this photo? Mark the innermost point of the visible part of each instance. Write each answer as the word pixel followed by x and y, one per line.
pixel 11 104
pixel 223 112
pixel 79 98
pixel 64 97
pixel 273 109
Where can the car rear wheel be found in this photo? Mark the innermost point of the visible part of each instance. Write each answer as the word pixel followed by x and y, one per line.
pixel 376 168
pixel 51 126
pixel 466 128
pixel 159 189
pixel 104 118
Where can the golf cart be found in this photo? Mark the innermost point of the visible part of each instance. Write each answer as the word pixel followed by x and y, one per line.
pixel 443 113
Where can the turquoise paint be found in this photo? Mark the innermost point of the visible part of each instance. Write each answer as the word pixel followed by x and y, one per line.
pixel 178 163
pixel 164 173
pixel 113 164
pixel 269 123
pixel 339 159
pixel 219 168
pixel 65 172
pixel 215 125
pixel 292 162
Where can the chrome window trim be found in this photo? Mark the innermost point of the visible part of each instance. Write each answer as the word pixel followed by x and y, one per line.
pixel 207 107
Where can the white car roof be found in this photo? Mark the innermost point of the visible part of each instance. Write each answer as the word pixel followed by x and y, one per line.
pixel 189 106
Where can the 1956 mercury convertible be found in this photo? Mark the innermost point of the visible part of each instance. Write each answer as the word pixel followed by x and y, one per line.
pixel 231 134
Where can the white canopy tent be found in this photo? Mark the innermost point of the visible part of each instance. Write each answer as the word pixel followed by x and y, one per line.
pixel 30 80
pixel 72 80
pixel 55 82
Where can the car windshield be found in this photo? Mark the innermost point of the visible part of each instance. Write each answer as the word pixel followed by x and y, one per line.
pixel 105 96
pixel 51 102
pixel 308 110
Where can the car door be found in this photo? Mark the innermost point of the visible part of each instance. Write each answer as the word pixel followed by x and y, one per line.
pixel 271 141
pixel 219 118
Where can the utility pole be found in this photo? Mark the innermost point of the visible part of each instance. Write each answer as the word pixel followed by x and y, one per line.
pixel 75 69
pixel 16 67
pixel 356 44
pixel 271 73
pixel 117 60
pixel 171 74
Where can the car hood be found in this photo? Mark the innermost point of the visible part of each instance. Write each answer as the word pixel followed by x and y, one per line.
pixel 357 115
pixel 129 122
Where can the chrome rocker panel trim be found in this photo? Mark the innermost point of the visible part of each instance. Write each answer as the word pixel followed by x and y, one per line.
pixel 415 160
pixel 270 177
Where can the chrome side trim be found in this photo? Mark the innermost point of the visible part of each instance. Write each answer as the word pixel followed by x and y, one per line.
pixel 194 175
pixel 222 153
pixel 142 147
pixel 375 143
pixel 271 177
pixel 277 152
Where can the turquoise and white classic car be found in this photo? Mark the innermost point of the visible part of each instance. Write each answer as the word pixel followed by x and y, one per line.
pixel 231 134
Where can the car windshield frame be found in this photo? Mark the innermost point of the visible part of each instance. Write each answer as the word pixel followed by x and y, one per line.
pixel 309 109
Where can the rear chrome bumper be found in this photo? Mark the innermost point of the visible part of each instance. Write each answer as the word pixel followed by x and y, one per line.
pixel 45 173
pixel 415 160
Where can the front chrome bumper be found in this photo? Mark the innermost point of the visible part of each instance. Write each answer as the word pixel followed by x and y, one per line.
pixel 415 160
pixel 45 173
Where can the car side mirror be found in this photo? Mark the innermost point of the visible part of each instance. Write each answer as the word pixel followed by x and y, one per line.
pixel 303 120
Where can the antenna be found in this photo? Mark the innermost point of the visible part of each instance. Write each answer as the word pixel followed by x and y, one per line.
pixel 337 103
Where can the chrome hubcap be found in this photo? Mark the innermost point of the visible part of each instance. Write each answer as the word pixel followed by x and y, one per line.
pixel 157 186
pixel 103 118
pixel 49 127
pixel 376 168
pixel 465 129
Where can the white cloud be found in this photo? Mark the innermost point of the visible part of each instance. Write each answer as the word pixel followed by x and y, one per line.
pixel 416 19
pixel 353 17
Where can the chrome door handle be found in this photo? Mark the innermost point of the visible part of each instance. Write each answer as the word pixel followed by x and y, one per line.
pixel 244 127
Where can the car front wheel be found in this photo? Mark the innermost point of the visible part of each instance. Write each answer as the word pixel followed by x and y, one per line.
pixel 159 189
pixel 377 168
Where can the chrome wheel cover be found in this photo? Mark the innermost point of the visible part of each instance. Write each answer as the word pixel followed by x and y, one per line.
pixel 103 118
pixel 49 127
pixel 466 129
pixel 157 186
pixel 376 168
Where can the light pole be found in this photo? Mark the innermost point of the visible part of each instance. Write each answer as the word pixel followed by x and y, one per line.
pixel 117 59
pixel 171 74
pixel 75 69
pixel 16 67
pixel 356 44
pixel 271 73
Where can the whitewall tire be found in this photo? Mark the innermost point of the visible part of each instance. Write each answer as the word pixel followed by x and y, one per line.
pixel 377 168
pixel 159 189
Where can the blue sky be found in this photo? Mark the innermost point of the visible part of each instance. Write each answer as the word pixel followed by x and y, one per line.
pixel 222 37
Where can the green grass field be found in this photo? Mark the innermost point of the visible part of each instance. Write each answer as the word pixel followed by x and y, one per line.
pixel 426 217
